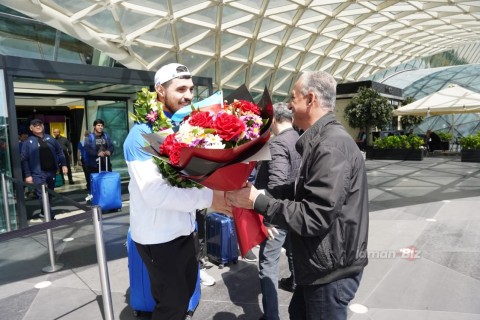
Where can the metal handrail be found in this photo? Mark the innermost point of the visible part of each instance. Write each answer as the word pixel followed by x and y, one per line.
pixel 48 225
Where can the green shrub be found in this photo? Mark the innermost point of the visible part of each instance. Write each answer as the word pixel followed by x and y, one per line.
pixel 399 142
pixel 445 136
pixel 471 142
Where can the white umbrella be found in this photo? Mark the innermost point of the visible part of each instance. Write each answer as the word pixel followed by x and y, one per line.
pixel 451 100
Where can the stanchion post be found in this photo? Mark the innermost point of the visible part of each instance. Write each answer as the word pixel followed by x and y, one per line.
pixel 102 263
pixel 6 207
pixel 53 267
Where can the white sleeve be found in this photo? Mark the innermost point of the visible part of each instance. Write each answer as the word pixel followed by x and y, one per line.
pixel 147 184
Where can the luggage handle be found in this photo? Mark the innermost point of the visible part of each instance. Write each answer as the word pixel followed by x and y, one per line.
pixel 100 163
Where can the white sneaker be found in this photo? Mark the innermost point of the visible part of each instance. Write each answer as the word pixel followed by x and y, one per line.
pixel 88 197
pixel 206 279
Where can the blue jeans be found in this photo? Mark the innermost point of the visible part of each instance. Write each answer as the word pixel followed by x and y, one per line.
pixel 325 301
pixel 269 256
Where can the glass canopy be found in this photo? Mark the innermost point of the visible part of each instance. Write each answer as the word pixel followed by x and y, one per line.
pixel 266 42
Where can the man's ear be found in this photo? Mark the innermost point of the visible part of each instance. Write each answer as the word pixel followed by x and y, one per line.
pixel 310 98
pixel 160 91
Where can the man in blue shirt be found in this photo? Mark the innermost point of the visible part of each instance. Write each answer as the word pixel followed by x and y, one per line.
pixel 162 217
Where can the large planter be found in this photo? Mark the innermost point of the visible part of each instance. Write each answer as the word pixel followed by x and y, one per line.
pixel 470 156
pixel 395 154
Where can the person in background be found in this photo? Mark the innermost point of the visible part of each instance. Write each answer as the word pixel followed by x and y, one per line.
pixel 280 170
pixel 82 157
pixel 362 139
pixel 98 148
pixel 433 141
pixel 162 217
pixel 205 278
pixel 40 156
pixel 22 136
pixel 67 151
pixel 328 218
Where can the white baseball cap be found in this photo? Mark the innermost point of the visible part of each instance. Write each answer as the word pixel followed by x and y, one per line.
pixel 170 71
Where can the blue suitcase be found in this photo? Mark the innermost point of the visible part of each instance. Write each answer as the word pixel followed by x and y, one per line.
pixel 222 245
pixel 106 190
pixel 140 295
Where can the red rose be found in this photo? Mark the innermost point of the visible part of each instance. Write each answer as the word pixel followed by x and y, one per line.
pixel 228 126
pixel 246 106
pixel 175 153
pixel 201 119
pixel 167 144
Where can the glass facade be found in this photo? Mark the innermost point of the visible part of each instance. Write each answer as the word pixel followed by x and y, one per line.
pixel 22 36
pixel 423 82
pixel 7 204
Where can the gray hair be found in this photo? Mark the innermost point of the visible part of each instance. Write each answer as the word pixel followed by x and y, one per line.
pixel 281 112
pixel 323 86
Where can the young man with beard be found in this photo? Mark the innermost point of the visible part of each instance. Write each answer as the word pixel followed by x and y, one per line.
pixel 328 218
pixel 162 217
pixel 98 148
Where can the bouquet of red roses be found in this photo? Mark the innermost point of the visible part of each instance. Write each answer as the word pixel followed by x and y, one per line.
pixel 217 146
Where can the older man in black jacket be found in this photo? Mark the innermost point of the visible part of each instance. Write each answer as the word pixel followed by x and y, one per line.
pixel 280 170
pixel 328 218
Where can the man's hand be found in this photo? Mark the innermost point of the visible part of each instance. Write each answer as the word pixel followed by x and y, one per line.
pixel 272 232
pixel 64 169
pixel 29 179
pixel 243 198
pixel 219 203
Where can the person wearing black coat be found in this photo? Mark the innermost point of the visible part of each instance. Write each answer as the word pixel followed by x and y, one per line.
pixel 433 140
pixel 328 218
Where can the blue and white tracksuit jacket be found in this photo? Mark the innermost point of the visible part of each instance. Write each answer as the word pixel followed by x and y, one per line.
pixel 159 212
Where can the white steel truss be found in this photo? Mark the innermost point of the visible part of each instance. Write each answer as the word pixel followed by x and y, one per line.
pixel 264 42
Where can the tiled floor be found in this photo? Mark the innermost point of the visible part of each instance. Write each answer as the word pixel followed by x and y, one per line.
pixel 424 249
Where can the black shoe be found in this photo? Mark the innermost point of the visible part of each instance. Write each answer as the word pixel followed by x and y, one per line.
pixel 71 182
pixel 287 284
pixel 250 257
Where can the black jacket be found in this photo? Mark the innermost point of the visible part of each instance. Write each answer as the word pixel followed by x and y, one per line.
pixel 328 219
pixel 283 168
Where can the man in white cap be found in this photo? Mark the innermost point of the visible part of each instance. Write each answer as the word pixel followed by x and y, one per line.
pixel 162 217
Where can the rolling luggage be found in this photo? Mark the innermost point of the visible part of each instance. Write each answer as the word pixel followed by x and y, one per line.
pixel 140 295
pixel 105 189
pixel 222 245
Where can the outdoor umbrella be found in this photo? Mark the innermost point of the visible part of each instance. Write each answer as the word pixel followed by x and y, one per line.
pixel 451 100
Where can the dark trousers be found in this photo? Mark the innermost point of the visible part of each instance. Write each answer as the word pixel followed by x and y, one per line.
pixel 69 167
pixel 172 269
pixel 48 178
pixel 325 301
pixel 86 175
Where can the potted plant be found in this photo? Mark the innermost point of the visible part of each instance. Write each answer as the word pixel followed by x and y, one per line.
pixel 368 109
pixel 397 148
pixel 470 146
